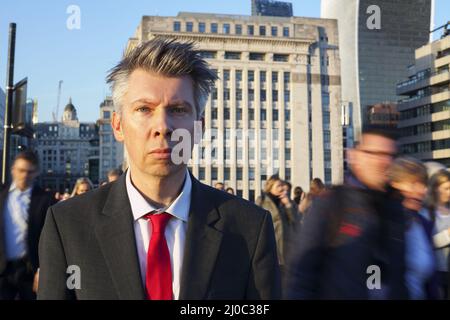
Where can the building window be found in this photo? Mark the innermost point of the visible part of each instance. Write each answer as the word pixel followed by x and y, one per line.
pixel 262 95
pixel 280 57
pixel 226 173
pixel 226 75
pixel 287 154
pixel 239 172
pixel 226 28
pixel 189 26
pixel 262 77
pixel 208 54
pixel 214 93
pixel 262 30
pixel 214 27
pixel 274 95
pixel 238 75
pixel 287 96
pixel 263 115
pixel 238 29
pixel 214 173
pixel 106 115
pixel 285 31
pixel 251 94
pixel 275 115
pixel 176 26
pixel 287 77
pixel 287 134
pixel 239 114
pixel 256 56
pixel 226 94
pixel 201 173
pixel 250 30
pixel 226 114
pixel 274 31
pixel 201 27
pixel 251 114
pixel 239 94
pixel 232 55
pixel 251 75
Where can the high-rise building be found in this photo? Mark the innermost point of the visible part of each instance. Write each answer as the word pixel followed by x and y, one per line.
pixel 276 107
pixel 425 112
pixel 67 150
pixel 271 8
pixel 383 115
pixel 377 38
pixel 111 151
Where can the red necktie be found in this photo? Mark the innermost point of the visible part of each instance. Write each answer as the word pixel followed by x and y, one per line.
pixel 158 280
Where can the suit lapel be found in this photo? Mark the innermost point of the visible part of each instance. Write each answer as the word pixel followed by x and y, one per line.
pixel 202 244
pixel 115 233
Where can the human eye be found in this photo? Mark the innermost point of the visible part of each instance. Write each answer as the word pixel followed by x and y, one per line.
pixel 143 109
pixel 179 109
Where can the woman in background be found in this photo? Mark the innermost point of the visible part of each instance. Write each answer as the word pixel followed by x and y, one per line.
pixel 82 185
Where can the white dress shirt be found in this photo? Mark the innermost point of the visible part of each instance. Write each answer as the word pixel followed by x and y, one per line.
pixel 16 222
pixel 175 232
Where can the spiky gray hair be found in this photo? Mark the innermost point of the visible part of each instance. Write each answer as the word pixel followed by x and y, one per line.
pixel 166 57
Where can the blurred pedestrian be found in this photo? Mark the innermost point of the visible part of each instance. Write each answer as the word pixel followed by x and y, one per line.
pixel 219 186
pixel 283 211
pixel 351 229
pixel 23 208
pixel 299 195
pixel 230 190
pixel 316 187
pixel 82 185
pixel 114 174
pixel 408 177
pixel 437 206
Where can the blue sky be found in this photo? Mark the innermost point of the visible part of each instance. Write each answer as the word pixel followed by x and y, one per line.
pixel 46 51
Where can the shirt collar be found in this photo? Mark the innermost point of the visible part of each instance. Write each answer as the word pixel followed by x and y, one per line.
pixel 13 187
pixel 178 208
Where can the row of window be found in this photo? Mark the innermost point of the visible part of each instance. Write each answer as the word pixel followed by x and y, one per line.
pixel 239 174
pixel 225 28
pixel 252 56
pixel 251 95
pixel 251 114
pixel 426 146
pixel 226 75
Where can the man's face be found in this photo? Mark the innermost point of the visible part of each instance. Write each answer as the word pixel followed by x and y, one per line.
pixel 153 107
pixel 23 173
pixel 371 159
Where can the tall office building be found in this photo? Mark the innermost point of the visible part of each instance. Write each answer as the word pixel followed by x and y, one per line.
pixel 271 8
pixel 425 112
pixel 111 151
pixel 377 38
pixel 276 107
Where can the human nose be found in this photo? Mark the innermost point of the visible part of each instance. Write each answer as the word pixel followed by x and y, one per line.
pixel 161 124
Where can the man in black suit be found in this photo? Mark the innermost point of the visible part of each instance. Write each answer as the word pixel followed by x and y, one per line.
pixel 158 233
pixel 23 209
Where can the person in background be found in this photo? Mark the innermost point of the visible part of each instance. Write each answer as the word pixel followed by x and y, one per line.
pixel 316 187
pixel 230 190
pixel 65 195
pixel 350 228
pixel 437 207
pixel 114 174
pixel 219 186
pixel 82 185
pixel 408 177
pixel 283 211
pixel 23 206
pixel 299 195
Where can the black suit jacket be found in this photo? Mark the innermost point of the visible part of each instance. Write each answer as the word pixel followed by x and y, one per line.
pixel 39 204
pixel 230 250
